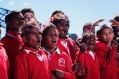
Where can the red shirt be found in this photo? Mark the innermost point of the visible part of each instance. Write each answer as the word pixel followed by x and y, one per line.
pixel 107 60
pixel 60 60
pixel 90 64
pixel 12 43
pixel 3 63
pixel 31 65
pixel 69 47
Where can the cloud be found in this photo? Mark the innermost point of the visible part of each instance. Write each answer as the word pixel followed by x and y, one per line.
pixel 25 3
pixel 11 3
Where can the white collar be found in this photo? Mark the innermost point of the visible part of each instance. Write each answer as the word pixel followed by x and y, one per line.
pixel 92 54
pixel 40 57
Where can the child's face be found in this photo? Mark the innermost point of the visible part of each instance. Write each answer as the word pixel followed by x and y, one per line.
pixel 51 39
pixel 63 29
pixel 91 42
pixel 107 35
pixel 29 17
pixel 34 38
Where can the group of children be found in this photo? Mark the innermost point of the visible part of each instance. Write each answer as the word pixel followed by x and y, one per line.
pixel 32 51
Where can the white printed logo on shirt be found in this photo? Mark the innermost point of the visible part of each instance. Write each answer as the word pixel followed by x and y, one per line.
pixel 61 62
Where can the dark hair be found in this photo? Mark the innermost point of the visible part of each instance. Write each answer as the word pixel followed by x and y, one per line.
pixel 46 31
pixel 56 22
pixel 102 28
pixel 56 11
pixel 116 18
pixel 25 10
pixel 11 15
pixel 27 29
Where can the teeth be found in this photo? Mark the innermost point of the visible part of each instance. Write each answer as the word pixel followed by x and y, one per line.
pixel 53 41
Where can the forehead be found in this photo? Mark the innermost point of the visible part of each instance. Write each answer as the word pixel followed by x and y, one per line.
pixel 18 14
pixel 28 13
pixel 107 30
pixel 52 31
pixel 88 38
pixel 35 29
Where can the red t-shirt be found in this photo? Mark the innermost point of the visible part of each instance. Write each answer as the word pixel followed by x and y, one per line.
pixel 13 44
pixel 107 60
pixel 60 60
pixel 32 65
pixel 69 47
pixel 3 63
pixel 90 65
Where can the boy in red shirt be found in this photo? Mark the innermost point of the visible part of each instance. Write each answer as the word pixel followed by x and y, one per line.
pixel 32 62
pixel 106 50
pixel 3 63
pixel 88 59
pixel 64 42
pixel 59 62
pixel 12 41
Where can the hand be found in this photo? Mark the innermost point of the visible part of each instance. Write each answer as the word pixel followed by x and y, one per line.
pixel 81 73
pixel 83 47
pixel 114 22
pixel 76 66
pixel 97 22
pixel 114 43
pixel 58 73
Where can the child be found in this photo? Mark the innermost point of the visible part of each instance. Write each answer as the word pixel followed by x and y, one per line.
pixel 12 41
pixel 59 62
pixel 115 26
pixel 29 17
pixel 107 53
pixel 32 62
pixel 88 59
pixel 64 42
pixel 3 63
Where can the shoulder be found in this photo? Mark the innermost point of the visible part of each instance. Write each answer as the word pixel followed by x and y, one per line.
pixel 69 39
pixel 22 54
pixel 100 44
pixel 8 39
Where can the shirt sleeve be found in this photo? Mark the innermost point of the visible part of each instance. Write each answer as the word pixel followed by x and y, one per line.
pixel 21 67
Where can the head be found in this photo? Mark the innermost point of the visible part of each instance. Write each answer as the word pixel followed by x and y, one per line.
pixel 57 14
pixel 62 26
pixel 116 18
pixel 14 21
pixel 87 27
pixel 29 15
pixel 106 34
pixel 79 40
pixel 90 41
pixel 31 36
pixel 50 37
pixel 116 29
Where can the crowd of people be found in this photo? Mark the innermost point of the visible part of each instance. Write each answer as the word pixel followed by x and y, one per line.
pixel 30 50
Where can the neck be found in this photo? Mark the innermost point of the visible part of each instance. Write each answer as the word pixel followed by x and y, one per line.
pixel 51 50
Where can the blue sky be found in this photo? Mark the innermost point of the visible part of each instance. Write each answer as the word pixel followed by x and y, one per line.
pixel 78 11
